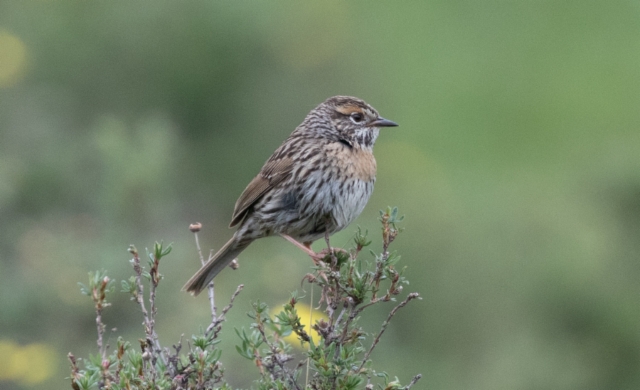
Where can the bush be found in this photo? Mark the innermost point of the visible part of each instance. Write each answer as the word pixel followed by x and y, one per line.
pixel 338 350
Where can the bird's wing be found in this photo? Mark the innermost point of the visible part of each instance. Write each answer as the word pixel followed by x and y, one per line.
pixel 272 173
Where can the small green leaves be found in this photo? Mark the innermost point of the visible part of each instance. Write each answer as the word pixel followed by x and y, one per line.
pixel 204 341
pixel 389 219
pixel 360 239
pixel 289 321
pixel 133 250
pixel 250 343
pixel 129 286
pixel 160 252
pixel 390 216
pixel 88 381
pixel 99 285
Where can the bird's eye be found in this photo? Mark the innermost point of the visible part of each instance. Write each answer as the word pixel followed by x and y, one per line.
pixel 357 117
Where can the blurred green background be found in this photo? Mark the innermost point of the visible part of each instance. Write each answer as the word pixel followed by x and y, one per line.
pixel 517 164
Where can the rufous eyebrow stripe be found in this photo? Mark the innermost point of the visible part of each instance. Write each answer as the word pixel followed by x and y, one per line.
pixel 349 109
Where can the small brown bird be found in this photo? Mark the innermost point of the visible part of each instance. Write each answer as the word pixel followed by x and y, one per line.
pixel 317 182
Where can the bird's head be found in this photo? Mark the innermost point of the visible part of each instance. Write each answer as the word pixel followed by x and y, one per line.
pixel 351 120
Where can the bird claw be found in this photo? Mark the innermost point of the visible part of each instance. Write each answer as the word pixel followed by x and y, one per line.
pixel 323 253
pixel 327 256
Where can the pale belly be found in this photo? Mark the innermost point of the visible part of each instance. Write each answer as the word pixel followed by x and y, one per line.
pixel 332 198
pixel 329 210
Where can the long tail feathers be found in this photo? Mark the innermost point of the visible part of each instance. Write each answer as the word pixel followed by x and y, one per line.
pixel 220 260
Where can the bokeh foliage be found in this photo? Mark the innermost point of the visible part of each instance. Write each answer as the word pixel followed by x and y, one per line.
pixel 516 162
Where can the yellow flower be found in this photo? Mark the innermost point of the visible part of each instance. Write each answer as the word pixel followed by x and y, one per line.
pixel 13 59
pixel 29 364
pixel 308 316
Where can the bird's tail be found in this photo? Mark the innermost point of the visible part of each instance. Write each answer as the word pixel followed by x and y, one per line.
pixel 225 255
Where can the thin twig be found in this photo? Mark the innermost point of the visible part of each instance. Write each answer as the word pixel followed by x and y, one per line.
pixel 371 303
pixel 353 313
pixel 101 327
pixel 378 275
pixel 212 295
pixel 152 306
pixel 198 247
pixel 384 326
pixel 306 379
pixel 75 371
pixel 212 301
pixel 98 294
pixel 337 321
pixel 140 299
pixel 275 354
pixel 148 321
pixel 216 325
pixel 413 381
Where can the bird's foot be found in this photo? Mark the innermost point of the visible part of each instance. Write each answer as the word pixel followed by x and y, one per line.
pixel 330 251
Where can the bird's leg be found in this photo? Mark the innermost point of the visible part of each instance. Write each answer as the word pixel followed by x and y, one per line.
pixel 326 239
pixel 330 251
pixel 306 247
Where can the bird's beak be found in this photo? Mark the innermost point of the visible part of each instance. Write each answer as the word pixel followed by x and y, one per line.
pixel 381 122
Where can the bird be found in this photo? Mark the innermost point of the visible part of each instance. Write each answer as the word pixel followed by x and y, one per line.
pixel 315 184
